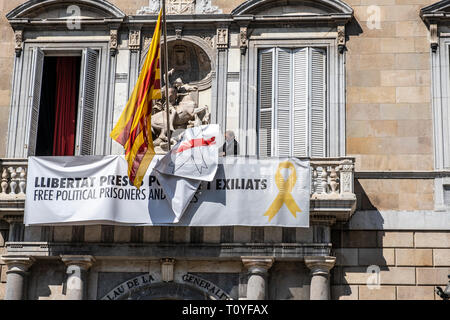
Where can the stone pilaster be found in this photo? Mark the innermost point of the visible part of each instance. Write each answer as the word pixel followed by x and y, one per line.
pixel 257 276
pixel 16 227
pixel 320 267
pixel 16 276
pixel 77 267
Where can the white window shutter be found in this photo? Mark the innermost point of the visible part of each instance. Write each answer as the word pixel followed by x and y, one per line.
pixel 318 101
pixel 300 103
pixel 283 102
pixel 34 97
pixel 87 102
pixel 266 60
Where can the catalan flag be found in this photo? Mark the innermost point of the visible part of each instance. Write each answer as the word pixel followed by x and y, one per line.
pixel 133 129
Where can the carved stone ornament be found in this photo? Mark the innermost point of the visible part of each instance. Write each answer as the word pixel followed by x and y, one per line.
pixel 341 38
pixel 204 6
pixel 180 7
pixel 18 35
pixel 178 31
pixel 134 40
pixel 243 40
pixel 113 41
pixel 434 37
pixel 208 38
pixel 222 38
pixel 152 8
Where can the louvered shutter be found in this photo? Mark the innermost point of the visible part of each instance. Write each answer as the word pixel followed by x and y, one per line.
pixel 34 98
pixel 283 103
pixel 318 100
pixel 87 102
pixel 266 60
pixel 300 103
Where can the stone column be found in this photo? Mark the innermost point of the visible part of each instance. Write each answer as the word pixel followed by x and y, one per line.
pixel 77 267
pixel 257 276
pixel 320 267
pixel 16 276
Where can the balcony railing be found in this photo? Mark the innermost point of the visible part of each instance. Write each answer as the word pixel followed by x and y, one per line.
pixel 331 186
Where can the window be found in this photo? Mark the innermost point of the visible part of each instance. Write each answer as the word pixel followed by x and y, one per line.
pixel 292 102
pixel 45 98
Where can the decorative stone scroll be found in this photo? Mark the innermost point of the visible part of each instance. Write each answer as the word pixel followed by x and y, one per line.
pixel 434 39
pixel 113 41
pixel 18 36
pixel 243 40
pixel 341 38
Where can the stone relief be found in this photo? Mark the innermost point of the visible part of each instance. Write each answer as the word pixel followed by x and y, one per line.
pixel 184 113
pixel 134 39
pixel 180 7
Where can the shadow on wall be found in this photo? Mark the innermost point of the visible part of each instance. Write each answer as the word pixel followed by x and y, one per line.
pixel 46 280
pixel 359 254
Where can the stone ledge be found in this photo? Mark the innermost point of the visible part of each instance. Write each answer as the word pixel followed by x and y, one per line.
pixel 233 251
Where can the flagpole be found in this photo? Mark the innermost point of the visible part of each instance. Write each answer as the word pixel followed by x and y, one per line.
pixel 166 71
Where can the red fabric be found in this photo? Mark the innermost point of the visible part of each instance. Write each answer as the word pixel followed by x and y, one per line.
pixel 186 145
pixel 66 87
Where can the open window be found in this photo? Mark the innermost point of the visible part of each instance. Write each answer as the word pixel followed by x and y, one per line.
pixel 292 102
pixel 62 100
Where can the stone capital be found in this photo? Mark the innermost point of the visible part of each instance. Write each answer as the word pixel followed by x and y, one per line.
pixel 13 218
pixel 257 264
pixel 18 264
pixel 320 265
pixel 82 261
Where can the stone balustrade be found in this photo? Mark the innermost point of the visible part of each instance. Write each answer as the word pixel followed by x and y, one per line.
pixel 13 179
pixel 332 178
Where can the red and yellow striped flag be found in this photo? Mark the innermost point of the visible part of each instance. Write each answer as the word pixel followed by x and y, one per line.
pixel 133 129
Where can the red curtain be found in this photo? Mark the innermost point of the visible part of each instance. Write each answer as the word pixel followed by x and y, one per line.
pixel 66 100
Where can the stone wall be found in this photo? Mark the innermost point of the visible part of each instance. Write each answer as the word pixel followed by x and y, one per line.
pixel 389 124
pixel 6 67
pixel 411 264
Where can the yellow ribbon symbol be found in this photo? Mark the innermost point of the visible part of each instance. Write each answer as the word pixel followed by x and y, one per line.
pixel 284 196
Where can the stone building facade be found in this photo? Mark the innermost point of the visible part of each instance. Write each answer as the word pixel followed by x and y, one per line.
pixel 375 75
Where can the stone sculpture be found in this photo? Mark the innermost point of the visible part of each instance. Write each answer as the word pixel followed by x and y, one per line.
pixel 184 113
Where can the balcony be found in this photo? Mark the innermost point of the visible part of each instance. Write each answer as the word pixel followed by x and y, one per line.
pixel 332 194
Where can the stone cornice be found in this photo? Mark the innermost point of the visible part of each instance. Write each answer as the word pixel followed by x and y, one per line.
pixel 230 251
pixel 401 174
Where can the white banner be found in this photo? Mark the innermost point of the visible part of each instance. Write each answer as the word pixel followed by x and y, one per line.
pixel 95 189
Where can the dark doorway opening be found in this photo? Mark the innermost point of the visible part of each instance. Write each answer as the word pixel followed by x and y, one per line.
pixel 58 106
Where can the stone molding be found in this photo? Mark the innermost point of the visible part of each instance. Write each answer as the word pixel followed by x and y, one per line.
pixel 82 261
pixel 320 265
